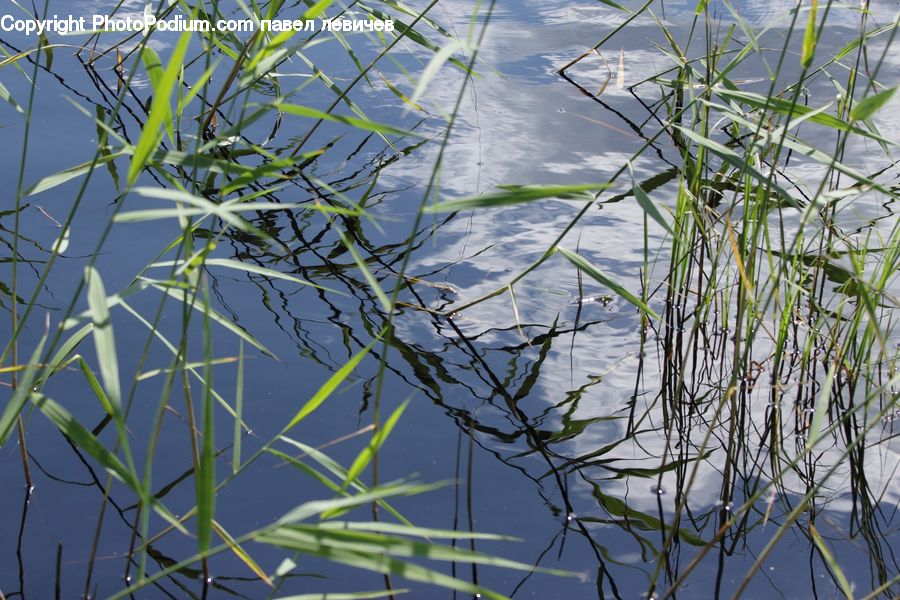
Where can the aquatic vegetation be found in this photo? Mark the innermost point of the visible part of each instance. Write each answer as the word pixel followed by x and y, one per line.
pixel 255 259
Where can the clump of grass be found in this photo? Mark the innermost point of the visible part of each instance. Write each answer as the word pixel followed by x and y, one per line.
pixel 773 296
pixel 205 149
pixel 768 296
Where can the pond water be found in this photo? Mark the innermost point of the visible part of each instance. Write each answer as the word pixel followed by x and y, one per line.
pixel 550 412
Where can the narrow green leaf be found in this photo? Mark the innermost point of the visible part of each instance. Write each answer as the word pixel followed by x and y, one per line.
pixel 433 67
pixel 24 388
pixel 365 124
pixel 368 453
pixel 378 544
pixel 739 162
pixel 830 561
pixel 798 146
pixel 218 318
pixel 241 553
pixel 285 538
pixel 153 65
pixel 648 207
pixel 5 95
pixel 62 355
pixel 238 412
pixel 604 279
pixel 329 386
pixel 159 110
pixel 868 106
pixel 317 507
pixel 104 340
pixel 205 481
pixel 367 274
pixel 249 268
pixel 335 469
pixel 47 47
pixel 316 9
pixel 513 194
pixel 794 111
pixel 95 386
pixel 84 439
pixel 224 210
pixel 423 532
pixel 51 181
pixel 809 38
pixel 103 142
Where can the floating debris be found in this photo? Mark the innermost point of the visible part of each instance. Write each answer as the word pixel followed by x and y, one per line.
pixel 603 299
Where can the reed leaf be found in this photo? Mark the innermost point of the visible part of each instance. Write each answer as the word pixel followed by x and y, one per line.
pixel 599 276
pixel 514 194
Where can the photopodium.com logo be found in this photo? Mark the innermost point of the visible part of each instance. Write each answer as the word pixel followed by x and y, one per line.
pixel 147 22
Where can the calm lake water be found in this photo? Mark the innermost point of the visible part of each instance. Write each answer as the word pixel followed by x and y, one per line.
pixel 540 415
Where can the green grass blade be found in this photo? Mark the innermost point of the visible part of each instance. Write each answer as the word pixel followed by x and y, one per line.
pixel 831 562
pixel 23 389
pixel 604 279
pixel 84 439
pixel 307 544
pixel 809 37
pixel 51 181
pixel 318 507
pixel 335 469
pixel 241 553
pixel 104 339
pixel 432 68
pixel 793 110
pixel 206 476
pixel 358 123
pixel 249 268
pixel 153 65
pixel 238 412
pixel 159 110
pixel 217 317
pixel 368 453
pixel 868 106
pixel 738 162
pixel 367 274
pixel 95 386
pixel 6 96
pixel 649 207
pixel 62 355
pixel 328 387
pixel 516 195
pixel 423 532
